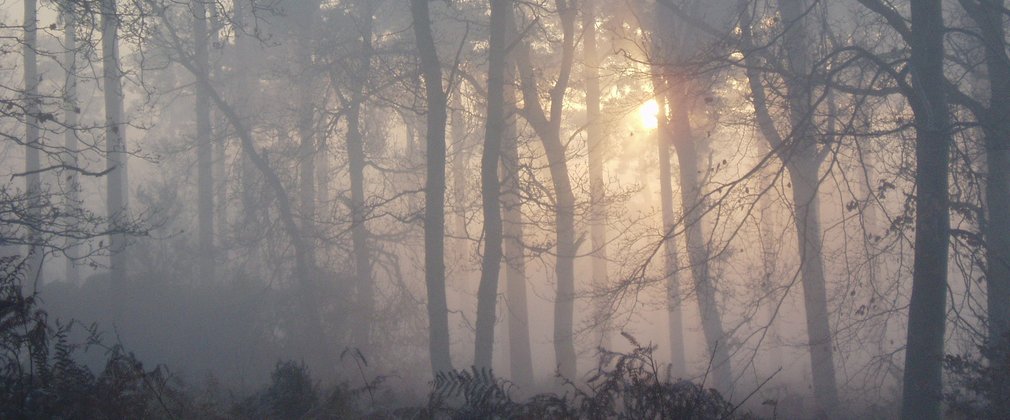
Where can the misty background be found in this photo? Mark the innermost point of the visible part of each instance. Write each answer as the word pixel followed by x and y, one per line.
pixel 803 205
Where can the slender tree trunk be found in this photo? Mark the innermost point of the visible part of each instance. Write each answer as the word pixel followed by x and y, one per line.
pixel 204 152
pixel 115 154
pixel 70 113
pixel 923 383
pixel 997 236
pixel 987 14
pixel 219 141
pixel 312 343
pixel 434 191
pixel 564 306
pixel 803 162
pixel 549 131
pixel 487 294
pixel 697 247
pixel 306 131
pixel 674 302
pixel 806 213
pixel 33 138
pixel 459 170
pixel 596 147
pixel 520 353
pixel 247 169
pixel 356 172
pixel 768 226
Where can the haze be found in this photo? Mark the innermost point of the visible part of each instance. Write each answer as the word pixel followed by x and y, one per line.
pixel 443 209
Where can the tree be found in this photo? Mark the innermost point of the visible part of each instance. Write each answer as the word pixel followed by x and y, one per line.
pixel 923 383
pixel 987 16
pixel 434 190
pixel 799 151
pixel 487 295
pixel 117 199
pixel 205 177
pixel 520 353
pixel 33 138
pixel 304 17
pixel 671 50
pixel 670 259
pixel 70 112
pixel 356 170
pixel 548 129
pixel 923 377
pixel 596 147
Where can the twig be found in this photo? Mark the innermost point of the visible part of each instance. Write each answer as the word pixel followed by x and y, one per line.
pixel 65 166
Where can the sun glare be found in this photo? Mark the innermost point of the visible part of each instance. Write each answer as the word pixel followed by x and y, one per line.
pixel 648 113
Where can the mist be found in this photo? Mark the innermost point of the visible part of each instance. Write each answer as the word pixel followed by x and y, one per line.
pixel 504 209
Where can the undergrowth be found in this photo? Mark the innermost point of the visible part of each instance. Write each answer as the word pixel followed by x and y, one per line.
pixel 40 377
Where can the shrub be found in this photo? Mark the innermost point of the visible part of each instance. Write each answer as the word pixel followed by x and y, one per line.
pixel 981 383
pixel 39 377
pixel 624 386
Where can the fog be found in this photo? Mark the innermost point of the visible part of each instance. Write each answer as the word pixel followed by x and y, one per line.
pixel 507 209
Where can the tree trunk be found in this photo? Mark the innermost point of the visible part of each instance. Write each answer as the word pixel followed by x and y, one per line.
pixel 487 294
pixel 803 162
pixel 459 170
pixel 33 138
pixel 564 305
pixel 697 248
pixel 520 353
pixel 117 199
pixel 356 173
pixel 674 302
pixel 987 14
pixel 204 166
pixel 923 383
pixel 312 343
pixel 70 113
pixel 803 172
pixel 434 191
pixel 997 235
pixel 549 132
pixel 596 148
pixel 306 131
pixel 219 141
pixel 247 169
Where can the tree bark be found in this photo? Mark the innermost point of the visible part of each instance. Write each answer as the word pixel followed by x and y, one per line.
pixel 487 294
pixel 434 191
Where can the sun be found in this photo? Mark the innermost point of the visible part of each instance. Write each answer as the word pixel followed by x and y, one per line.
pixel 648 114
